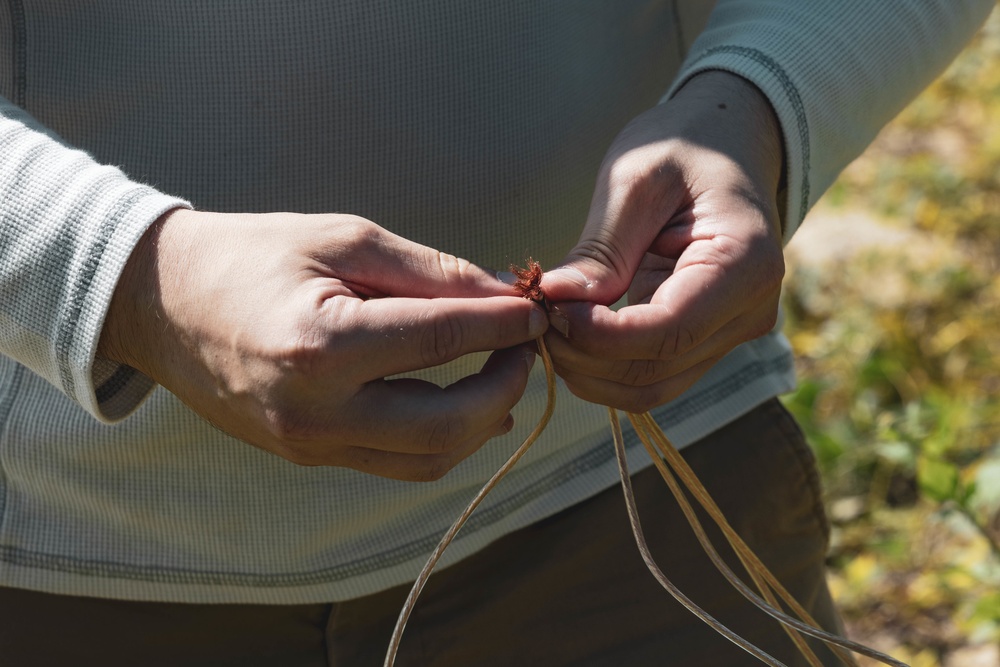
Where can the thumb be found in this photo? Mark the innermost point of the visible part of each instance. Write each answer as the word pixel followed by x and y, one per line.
pixel 599 269
pixel 632 202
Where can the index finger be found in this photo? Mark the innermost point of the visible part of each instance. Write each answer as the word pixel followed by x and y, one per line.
pixel 694 303
pixel 398 335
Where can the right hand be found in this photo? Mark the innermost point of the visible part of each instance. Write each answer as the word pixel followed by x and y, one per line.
pixel 269 327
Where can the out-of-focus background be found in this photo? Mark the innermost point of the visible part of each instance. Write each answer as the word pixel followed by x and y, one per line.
pixel 893 300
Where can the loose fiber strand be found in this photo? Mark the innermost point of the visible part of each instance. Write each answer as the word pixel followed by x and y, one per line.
pixel 684 471
pixel 698 490
pixel 755 574
pixel 746 555
pixel 665 456
pixel 640 540
pixel 669 453
pixel 425 573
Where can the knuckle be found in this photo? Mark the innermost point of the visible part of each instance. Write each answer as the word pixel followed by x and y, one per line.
pixel 772 268
pixel 295 430
pixel 624 174
pixel 442 341
pixel 768 259
pixel 634 163
pixel 362 227
pixel 645 400
pixel 675 342
pixel 452 267
pixel 770 320
pixel 642 372
pixel 762 325
pixel 277 423
pixel 298 453
pixel 435 470
pixel 603 249
pixel 643 180
pixel 297 348
pixel 306 460
pixel 305 354
pixel 364 234
pixel 286 428
pixel 441 436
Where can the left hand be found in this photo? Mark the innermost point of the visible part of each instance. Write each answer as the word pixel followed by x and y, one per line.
pixel 685 220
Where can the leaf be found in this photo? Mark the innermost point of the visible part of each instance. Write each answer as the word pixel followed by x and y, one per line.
pixel 938 479
pixel 987 608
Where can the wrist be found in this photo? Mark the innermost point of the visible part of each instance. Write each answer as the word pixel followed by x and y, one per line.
pixel 134 309
pixel 740 122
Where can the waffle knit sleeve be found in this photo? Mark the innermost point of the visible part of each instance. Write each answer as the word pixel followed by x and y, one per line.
pixel 834 71
pixel 67 227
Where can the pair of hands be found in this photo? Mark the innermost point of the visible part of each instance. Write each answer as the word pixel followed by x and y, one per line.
pixel 684 220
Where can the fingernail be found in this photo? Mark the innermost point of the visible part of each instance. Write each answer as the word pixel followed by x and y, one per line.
pixel 537 322
pixel 570 274
pixel 529 358
pixel 506 277
pixel 559 321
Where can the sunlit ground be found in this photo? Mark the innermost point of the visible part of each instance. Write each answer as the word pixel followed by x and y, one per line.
pixel 893 299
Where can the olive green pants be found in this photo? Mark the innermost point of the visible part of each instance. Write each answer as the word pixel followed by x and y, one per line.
pixel 570 590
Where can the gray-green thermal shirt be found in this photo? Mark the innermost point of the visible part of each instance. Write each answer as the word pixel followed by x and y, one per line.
pixel 473 127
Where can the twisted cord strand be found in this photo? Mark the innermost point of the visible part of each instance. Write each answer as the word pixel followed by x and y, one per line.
pixel 698 490
pixel 640 541
pixel 706 544
pixel 645 426
pixel 653 439
pixel 425 573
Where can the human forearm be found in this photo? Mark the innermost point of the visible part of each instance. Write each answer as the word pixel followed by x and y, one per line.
pixel 67 226
pixel 835 72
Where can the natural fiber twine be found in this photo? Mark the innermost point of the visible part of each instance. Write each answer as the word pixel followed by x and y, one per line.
pixel 672 467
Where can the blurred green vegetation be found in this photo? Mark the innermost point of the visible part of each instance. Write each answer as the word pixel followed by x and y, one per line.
pixel 898 349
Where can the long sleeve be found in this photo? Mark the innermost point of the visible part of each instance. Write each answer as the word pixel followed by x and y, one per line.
pixel 67 227
pixel 835 72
